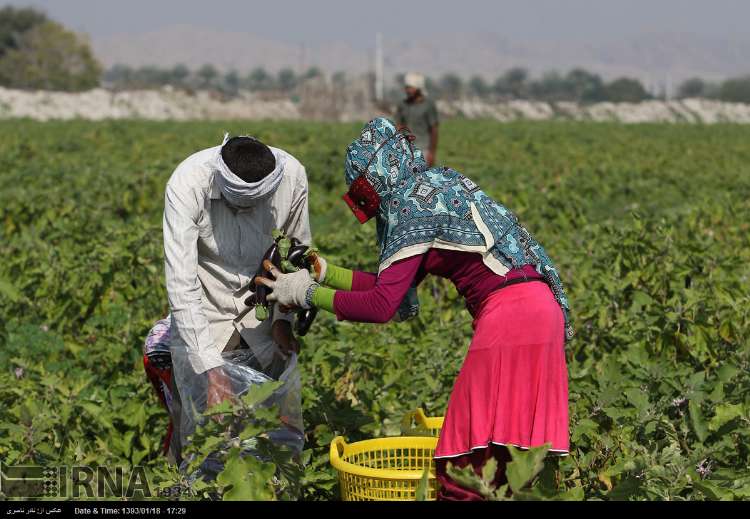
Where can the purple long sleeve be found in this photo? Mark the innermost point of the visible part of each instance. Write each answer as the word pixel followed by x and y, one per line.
pixel 379 302
pixel 363 280
pixel 375 299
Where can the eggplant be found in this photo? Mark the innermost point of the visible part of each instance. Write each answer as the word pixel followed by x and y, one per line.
pixel 288 255
pixel 296 256
pixel 261 291
pixel 304 321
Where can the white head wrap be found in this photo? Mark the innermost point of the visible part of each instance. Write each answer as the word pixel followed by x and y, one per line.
pixel 245 194
pixel 414 80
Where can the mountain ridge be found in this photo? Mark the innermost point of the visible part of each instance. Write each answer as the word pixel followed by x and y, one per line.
pixel 656 58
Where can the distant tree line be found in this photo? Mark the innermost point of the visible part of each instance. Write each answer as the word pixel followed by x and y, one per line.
pixel 577 85
pixel 580 86
pixel 734 90
pixel 207 77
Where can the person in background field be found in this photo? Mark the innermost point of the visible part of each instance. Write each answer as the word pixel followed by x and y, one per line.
pixel 513 386
pixel 419 113
pixel 221 205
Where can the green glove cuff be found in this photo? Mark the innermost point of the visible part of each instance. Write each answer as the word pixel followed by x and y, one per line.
pixel 323 298
pixel 338 277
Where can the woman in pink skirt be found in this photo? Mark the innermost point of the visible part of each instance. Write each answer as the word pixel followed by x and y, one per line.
pixel 513 386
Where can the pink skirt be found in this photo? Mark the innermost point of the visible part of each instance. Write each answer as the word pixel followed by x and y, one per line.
pixel 513 386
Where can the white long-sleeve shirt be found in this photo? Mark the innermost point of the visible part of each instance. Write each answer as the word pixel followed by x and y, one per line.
pixel 212 251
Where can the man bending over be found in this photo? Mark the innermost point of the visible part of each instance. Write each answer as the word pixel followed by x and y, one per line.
pixel 221 205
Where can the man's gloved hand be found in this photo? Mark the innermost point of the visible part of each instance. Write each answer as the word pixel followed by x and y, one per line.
pixel 289 290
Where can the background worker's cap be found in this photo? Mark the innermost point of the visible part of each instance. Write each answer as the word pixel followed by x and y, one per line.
pixel 414 80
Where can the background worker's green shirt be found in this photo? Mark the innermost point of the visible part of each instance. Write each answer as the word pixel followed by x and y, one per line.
pixel 420 118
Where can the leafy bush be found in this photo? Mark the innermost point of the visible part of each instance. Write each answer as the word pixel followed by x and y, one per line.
pixel 232 456
pixel 37 53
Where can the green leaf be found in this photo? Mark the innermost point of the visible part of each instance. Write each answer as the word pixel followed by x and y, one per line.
pixel 250 431
pixel 98 413
pixel 223 407
pixel 259 393
pixel 713 491
pixel 696 418
pixel 246 478
pixel 14 429
pixel 725 331
pixel 727 371
pixel 423 486
pixel 574 494
pixel 525 466
pixel 466 477
pixel 725 413
pixel 641 299
pixel 267 415
pixel 717 395
pixel 626 489
pixel 8 290
pixel 489 471
pixel 211 444
pixel 637 398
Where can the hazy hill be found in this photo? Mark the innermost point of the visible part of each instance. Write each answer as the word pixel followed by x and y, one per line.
pixel 655 58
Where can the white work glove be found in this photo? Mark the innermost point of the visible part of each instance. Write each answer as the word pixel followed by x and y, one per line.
pixel 289 290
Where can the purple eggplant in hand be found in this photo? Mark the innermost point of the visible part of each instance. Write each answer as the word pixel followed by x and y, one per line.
pixel 261 291
pixel 304 321
pixel 287 255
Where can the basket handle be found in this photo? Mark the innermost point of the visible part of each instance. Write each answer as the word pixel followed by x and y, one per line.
pixel 411 419
pixel 338 444
pixel 419 416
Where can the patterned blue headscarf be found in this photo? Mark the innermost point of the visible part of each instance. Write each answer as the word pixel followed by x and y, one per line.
pixel 423 208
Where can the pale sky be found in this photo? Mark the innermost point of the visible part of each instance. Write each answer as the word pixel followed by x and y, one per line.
pixel 315 21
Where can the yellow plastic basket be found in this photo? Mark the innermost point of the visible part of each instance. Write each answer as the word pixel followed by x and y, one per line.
pixel 417 419
pixel 384 469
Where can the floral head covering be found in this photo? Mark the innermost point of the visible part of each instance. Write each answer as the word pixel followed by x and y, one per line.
pixel 418 208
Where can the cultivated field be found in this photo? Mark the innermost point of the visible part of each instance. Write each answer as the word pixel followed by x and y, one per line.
pixel 649 225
